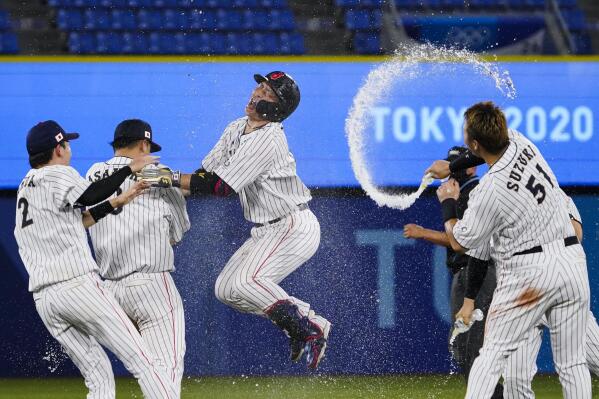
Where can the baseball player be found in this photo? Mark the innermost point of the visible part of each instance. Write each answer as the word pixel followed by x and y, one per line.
pixel 69 295
pixel 521 365
pixel 542 267
pixel 136 262
pixel 252 158
pixel 465 347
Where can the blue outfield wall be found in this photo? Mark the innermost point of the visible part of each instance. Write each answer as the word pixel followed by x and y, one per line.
pixel 190 103
pixel 386 297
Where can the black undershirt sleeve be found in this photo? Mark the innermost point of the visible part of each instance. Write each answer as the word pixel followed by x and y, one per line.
pixel 104 188
pixel 465 161
pixel 476 272
pixel 202 182
pixel 99 211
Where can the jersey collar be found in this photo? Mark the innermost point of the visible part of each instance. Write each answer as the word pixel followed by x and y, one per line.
pixel 118 160
pixel 506 158
pixel 468 182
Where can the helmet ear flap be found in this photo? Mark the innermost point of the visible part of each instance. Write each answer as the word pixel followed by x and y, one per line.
pixel 271 111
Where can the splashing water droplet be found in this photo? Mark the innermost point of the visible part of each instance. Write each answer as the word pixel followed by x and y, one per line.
pixel 405 65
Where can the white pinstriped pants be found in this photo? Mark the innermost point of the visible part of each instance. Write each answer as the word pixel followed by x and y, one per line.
pixel 153 303
pixel 555 285
pixel 249 280
pixel 522 364
pixel 80 313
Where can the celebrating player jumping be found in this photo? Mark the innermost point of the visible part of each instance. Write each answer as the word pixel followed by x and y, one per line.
pixel 252 158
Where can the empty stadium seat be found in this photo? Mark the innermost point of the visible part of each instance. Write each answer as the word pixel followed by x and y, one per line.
pixel 273 3
pixel 363 19
pixel 367 43
pixel 359 3
pixel 176 20
pixel 291 43
pixel 70 19
pixel 228 19
pixel 149 19
pixel 168 26
pixel 96 19
pixel 135 43
pixel 82 42
pixel 202 20
pixel 255 19
pixel 109 43
pixel 123 20
pixel 9 43
pixel 245 3
pixel 281 20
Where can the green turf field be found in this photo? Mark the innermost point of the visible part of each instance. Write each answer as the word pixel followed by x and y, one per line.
pixel 324 387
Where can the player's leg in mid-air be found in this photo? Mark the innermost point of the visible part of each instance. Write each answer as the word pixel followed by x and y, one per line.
pixel 80 312
pixel 249 281
pixel 518 306
pixel 153 303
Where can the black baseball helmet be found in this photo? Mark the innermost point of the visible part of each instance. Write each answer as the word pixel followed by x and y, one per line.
pixel 286 90
pixel 455 152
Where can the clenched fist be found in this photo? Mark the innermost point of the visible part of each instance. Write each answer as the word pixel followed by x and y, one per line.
pixel 412 230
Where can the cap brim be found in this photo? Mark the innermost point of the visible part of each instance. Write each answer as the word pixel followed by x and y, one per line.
pixel 259 78
pixel 71 136
pixel 154 147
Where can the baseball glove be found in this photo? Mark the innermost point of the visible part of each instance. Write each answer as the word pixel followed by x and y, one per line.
pixel 159 177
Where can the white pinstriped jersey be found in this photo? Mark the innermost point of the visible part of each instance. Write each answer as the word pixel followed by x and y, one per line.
pixel 138 237
pixel 485 252
pixel 260 168
pixel 518 204
pixel 49 228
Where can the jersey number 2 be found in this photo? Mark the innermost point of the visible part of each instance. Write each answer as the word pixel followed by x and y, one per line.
pixel 26 222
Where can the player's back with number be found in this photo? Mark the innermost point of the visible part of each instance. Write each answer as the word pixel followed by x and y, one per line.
pixel 527 210
pixel 121 240
pixel 50 234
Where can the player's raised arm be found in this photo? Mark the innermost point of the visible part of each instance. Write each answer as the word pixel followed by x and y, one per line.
pixel 411 230
pixel 93 215
pixel 198 183
pixel 104 188
pixel 442 168
pixel 448 194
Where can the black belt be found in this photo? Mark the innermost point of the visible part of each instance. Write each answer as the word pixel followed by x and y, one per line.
pixel 572 240
pixel 300 207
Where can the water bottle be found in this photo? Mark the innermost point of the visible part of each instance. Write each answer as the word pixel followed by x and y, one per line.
pixel 460 327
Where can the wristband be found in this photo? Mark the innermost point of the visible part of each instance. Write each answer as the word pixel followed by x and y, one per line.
pixel 449 209
pixel 101 210
pixel 176 178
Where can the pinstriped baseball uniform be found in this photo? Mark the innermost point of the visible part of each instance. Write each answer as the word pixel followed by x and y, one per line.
pixel 260 168
pixel 69 295
pixel 133 249
pixel 521 365
pixel 519 205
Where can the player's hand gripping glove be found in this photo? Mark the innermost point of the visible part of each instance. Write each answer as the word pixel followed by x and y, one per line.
pixel 160 177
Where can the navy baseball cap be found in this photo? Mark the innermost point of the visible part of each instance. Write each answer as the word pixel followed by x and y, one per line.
pixel 138 130
pixel 455 152
pixel 45 136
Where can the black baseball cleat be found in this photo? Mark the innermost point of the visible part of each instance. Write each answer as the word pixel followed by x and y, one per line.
pixel 316 346
pixel 297 349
